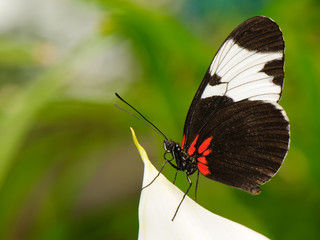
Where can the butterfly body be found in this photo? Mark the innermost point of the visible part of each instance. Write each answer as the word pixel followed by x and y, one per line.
pixel 184 162
pixel 235 132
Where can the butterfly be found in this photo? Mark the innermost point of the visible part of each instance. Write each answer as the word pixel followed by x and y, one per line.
pixel 235 132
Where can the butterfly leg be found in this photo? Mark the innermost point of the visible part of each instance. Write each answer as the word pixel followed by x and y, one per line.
pixel 196 189
pixel 166 161
pixel 156 175
pixel 174 166
pixel 175 177
pixel 190 183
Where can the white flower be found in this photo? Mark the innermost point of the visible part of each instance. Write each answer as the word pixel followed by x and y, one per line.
pixel 158 203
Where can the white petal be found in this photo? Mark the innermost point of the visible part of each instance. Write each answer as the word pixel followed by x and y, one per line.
pixel 158 203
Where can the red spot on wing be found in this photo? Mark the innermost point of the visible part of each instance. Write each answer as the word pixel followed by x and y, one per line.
pixel 202 165
pixel 206 152
pixel 204 169
pixel 204 145
pixel 183 141
pixel 192 148
pixel 202 160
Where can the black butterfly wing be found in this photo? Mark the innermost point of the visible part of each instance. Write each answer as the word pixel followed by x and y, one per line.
pixel 248 142
pixel 232 122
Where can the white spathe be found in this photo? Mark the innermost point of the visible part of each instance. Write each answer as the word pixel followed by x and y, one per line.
pixel 158 203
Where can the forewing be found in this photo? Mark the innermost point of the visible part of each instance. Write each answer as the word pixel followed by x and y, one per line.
pixel 248 66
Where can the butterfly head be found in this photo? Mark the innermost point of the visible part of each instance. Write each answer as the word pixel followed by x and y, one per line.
pixel 170 147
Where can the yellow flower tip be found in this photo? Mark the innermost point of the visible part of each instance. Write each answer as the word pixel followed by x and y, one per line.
pixel 141 150
pixel 149 170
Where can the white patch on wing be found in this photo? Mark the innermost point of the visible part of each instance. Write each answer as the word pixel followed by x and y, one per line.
pixel 272 97
pixel 241 76
pixel 254 89
pixel 219 56
pixel 216 90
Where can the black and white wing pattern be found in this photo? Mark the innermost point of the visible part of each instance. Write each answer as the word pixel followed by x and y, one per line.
pixel 235 127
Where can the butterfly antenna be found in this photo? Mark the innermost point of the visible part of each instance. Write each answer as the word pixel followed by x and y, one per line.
pixel 152 126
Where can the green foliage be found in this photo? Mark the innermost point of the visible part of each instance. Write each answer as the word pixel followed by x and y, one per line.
pixel 68 168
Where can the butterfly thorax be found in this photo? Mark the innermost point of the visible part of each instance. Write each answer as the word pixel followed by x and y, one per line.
pixel 184 161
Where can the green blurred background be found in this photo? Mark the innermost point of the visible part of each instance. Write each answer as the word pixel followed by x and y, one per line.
pixel 68 166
